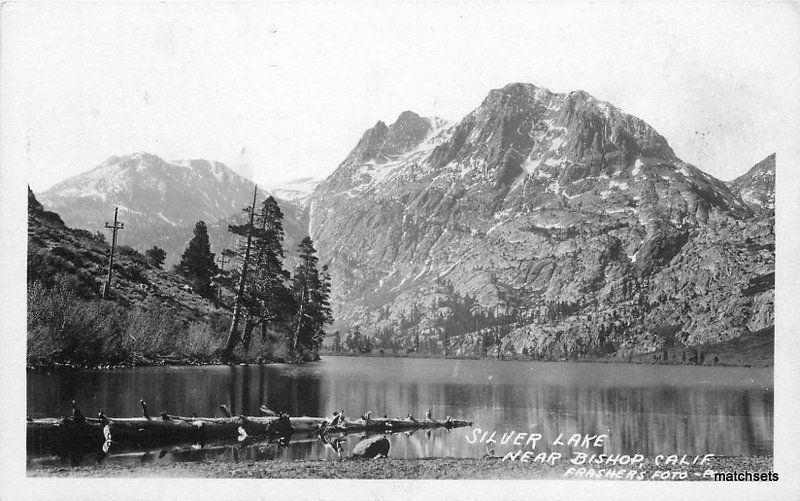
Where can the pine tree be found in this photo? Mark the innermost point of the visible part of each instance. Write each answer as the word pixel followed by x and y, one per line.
pixel 323 295
pixel 271 302
pixel 197 262
pixel 311 293
pixel 263 296
pixel 241 303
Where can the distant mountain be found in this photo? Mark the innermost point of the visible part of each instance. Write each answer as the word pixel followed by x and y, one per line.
pixel 757 186
pixel 543 215
pixel 160 202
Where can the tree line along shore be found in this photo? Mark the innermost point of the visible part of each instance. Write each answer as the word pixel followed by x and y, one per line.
pixel 197 312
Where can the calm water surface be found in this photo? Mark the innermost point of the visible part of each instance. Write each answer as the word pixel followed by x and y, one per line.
pixel 642 408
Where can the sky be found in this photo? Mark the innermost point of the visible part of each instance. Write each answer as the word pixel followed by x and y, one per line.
pixel 284 90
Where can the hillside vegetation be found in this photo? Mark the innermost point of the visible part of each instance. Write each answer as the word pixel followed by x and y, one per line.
pixel 153 315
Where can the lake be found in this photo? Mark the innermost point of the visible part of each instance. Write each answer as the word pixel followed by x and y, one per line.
pixel 645 409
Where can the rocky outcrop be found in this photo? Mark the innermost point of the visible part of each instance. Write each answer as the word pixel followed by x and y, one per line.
pixel 757 186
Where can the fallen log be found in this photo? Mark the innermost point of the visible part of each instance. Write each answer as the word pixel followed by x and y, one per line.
pixel 82 432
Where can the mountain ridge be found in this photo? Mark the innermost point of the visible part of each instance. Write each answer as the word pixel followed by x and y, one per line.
pixel 160 201
pixel 533 199
pixel 757 186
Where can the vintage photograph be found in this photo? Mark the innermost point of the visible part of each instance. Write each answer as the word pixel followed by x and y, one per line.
pixel 523 241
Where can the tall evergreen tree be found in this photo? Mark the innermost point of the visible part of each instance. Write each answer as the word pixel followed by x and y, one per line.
pixel 323 295
pixel 311 292
pixel 265 298
pixel 240 307
pixel 197 262
pixel 156 255
pixel 270 301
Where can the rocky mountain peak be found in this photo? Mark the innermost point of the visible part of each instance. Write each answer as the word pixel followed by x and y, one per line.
pixel 522 127
pixel 528 143
pixel 757 186
pixel 382 143
pixel 139 160
pixel 160 201
pixel 408 131
pixel 514 91
pixel 381 148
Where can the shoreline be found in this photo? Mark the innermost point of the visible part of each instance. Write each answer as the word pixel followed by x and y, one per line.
pixel 638 360
pixel 424 468
pixel 641 359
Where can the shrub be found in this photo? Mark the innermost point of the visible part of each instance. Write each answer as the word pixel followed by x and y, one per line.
pixel 133 254
pixel 150 332
pixel 200 339
pixel 68 254
pixel 80 232
pixel 131 271
pixel 51 218
pixel 156 255
pixel 136 274
pixel 62 327
pixel 47 267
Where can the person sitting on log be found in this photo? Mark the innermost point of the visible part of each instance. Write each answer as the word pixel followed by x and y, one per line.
pixel 365 417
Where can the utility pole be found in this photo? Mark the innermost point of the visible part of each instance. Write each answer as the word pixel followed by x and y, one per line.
pixel 114 229
pixel 233 333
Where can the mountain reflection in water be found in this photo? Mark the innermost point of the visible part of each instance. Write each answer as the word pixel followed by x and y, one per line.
pixel 643 409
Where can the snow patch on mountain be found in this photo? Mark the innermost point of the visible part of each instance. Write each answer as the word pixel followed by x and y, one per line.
pixel 294 189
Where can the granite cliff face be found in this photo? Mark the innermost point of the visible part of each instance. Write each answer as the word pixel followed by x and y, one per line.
pixel 160 201
pixel 554 223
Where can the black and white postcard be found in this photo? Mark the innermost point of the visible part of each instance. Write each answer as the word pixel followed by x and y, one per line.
pixel 266 249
